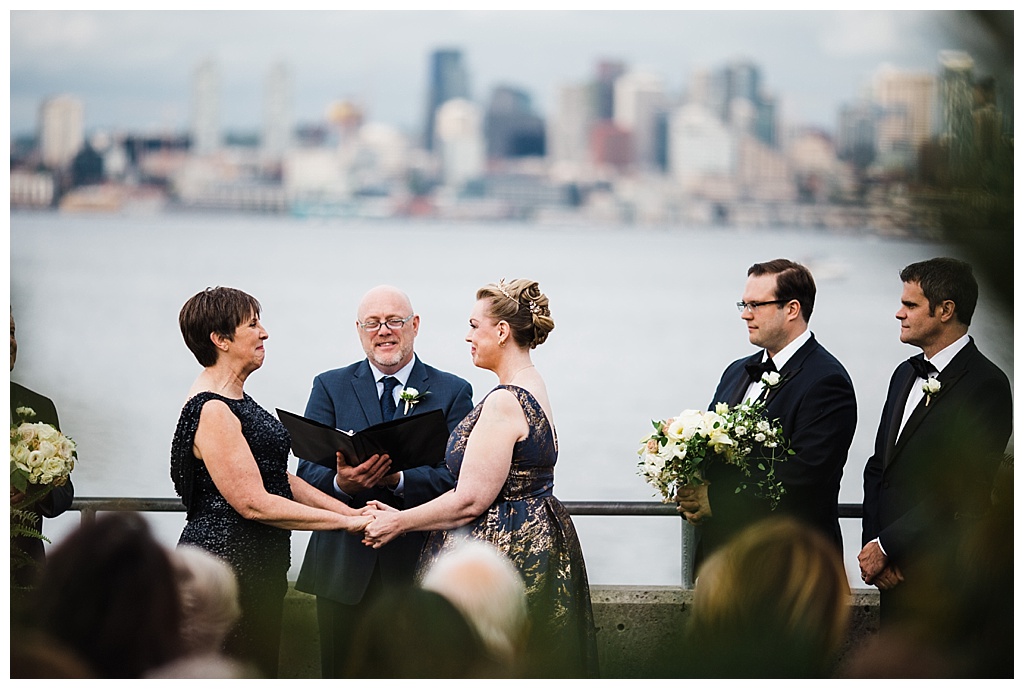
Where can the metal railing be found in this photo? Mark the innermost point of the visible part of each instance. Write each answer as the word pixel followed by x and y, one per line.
pixel 90 506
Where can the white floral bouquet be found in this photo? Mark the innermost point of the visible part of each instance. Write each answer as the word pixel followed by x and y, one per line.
pixel 680 449
pixel 40 454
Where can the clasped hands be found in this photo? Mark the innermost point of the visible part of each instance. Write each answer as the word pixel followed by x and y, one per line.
pixel 692 502
pixel 875 568
pixel 383 525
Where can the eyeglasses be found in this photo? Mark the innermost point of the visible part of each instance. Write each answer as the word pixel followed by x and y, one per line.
pixel 391 323
pixel 752 305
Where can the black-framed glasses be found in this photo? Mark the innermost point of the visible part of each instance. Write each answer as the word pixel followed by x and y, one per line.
pixel 391 323
pixel 752 305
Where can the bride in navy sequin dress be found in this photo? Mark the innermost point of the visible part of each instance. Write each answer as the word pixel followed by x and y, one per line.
pixel 229 464
pixel 503 455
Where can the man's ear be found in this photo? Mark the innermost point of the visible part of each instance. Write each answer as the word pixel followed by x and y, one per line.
pixel 947 310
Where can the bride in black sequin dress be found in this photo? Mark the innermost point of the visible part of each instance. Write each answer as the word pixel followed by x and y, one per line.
pixel 229 464
pixel 503 455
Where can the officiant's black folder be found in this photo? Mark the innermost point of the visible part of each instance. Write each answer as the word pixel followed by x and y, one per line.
pixel 410 441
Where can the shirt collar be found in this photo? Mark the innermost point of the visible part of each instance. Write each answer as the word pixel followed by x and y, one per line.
pixel 787 352
pixel 401 374
pixel 942 358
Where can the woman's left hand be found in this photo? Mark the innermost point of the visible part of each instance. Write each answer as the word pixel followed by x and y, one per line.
pixel 386 525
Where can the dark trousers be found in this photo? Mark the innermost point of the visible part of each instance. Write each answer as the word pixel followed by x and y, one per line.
pixel 338 623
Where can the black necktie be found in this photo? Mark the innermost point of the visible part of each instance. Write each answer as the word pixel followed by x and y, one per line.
pixel 923 369
pixel 755 371
pixel 387 399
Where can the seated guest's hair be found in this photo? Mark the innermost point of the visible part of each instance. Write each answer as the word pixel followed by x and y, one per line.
pixel 772 602
pixel 409 633
pixel 107 593
pixel 486 587
pixel 209 598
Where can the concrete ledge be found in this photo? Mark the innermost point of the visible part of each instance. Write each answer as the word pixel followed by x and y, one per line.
pixel 635 624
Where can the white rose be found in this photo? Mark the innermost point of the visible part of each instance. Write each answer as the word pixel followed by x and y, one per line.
pixel 759 437
pixel 770 378
pixel 47 432
pixel 931 386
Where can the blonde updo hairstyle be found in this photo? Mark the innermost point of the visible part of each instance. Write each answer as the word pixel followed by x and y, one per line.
pixel 522 305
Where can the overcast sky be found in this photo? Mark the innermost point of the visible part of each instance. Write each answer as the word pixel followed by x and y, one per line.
pixel 133 69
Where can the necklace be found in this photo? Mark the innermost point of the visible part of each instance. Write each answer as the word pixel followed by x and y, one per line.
pixel 517 373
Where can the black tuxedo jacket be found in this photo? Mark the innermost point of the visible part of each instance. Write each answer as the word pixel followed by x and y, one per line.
pixel 817 409
pixel 943 463
pixel 337 565
pixel 59 499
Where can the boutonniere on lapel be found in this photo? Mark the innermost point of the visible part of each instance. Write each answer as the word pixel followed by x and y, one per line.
pixel 411 397
pixel 772 379
pixel 931 387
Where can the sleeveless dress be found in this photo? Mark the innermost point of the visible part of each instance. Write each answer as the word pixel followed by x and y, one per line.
pixel 259 554
pixel 530 525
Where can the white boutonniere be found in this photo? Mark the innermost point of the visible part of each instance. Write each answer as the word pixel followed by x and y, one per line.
pixel 771 379
pixel 931 387
pixel 411 396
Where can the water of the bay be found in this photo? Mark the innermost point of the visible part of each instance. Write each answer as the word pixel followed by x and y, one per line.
pixel 645 323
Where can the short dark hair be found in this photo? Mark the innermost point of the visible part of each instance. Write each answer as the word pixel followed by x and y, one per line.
pixel 943 279
pixel 214 310
pixel 793 282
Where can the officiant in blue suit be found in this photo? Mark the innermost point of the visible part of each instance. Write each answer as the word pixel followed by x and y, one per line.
pixel 811 395
pixel 338 569
pixel 947 418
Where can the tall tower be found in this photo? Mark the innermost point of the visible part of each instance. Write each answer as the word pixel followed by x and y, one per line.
pixel 206 109
pixel 460 141
pixel 61 130
pixel 956 98
pixel 447 80
pixel 905 120
pixel 568 135
pixel 277 111
pixel 639 101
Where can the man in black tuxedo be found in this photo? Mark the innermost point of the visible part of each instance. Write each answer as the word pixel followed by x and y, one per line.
pixel 344 574
pixel 59 499
pixel 944 427
pixel 813 401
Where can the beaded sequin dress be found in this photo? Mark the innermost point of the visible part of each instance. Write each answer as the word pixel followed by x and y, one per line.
pixel 259 554
pixel 530 525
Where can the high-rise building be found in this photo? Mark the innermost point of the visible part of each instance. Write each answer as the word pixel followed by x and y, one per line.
pixel 206 109
pixel 459 139
pixel 855 135
pixel 511 127
pixel 905 100
pixel 734 93
pixel 700 145
pixel 608 71
pixel 639 101
pixel 447 80
pixel 277 112
pixel 61 130
pixel 568 140
pixel 956 106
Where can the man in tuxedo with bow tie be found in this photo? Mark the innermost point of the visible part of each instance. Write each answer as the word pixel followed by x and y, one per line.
pixel 344 574
pixel 944 427
pixel 813 399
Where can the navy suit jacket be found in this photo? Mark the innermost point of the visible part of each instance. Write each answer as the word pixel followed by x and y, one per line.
pixel 817 409
pixel 944 461
pixel 337 565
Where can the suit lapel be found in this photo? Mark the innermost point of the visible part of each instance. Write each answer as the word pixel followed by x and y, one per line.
pixel 949 376
pixel 365 389
pixel 417 379
pixel 792 368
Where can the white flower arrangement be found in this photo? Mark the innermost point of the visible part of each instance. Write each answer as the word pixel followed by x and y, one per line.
pixel 771 379
pixel 931 387
pixel 679 450
pixel 411 397
pixel 40 454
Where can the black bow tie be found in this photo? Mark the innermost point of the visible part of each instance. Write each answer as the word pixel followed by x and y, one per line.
pixel 755 371
pixel 923 369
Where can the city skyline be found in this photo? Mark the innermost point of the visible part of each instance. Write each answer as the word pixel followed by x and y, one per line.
pixel 812 62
